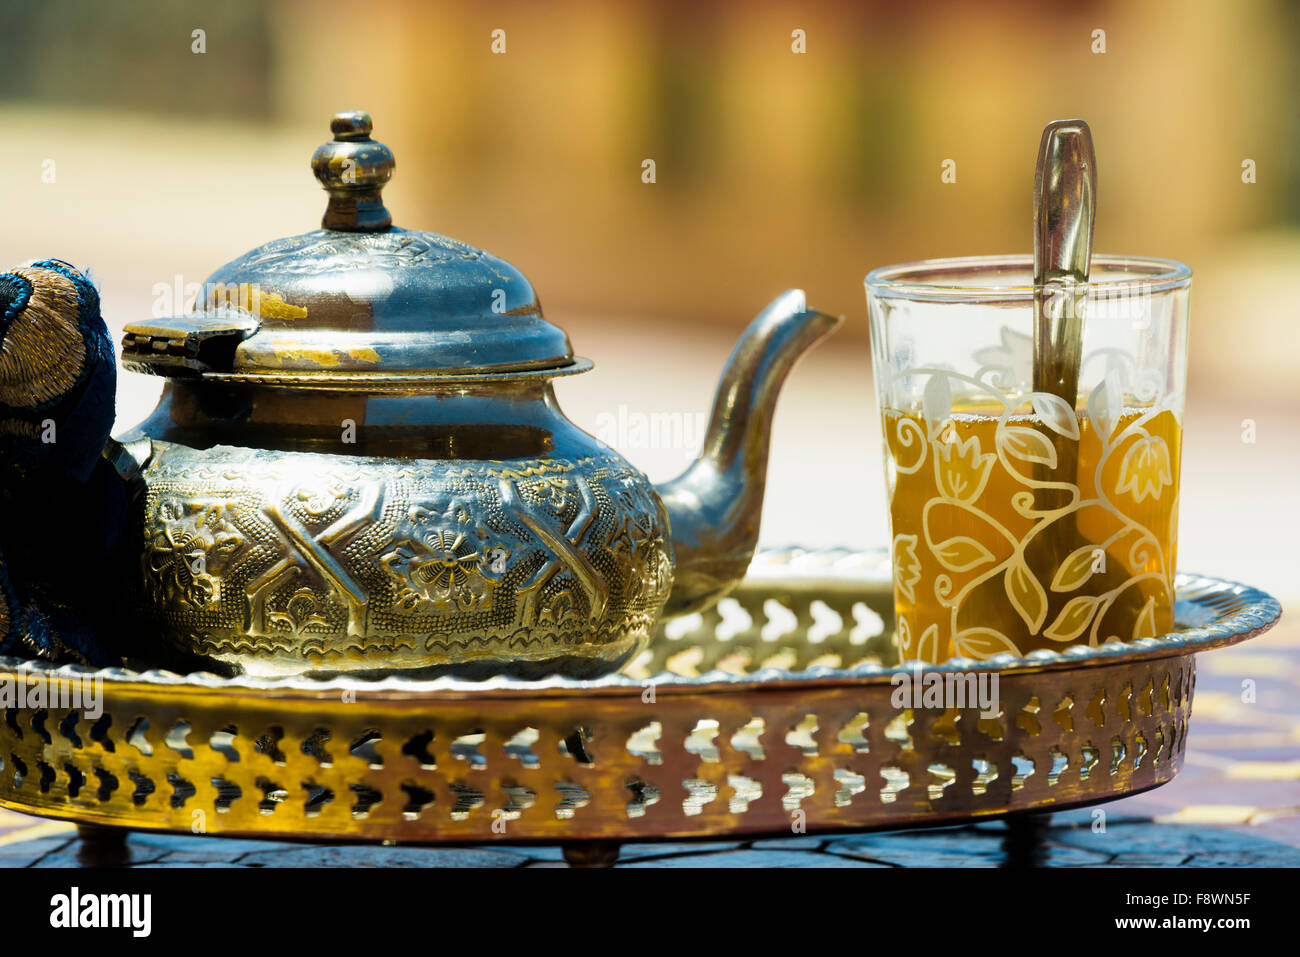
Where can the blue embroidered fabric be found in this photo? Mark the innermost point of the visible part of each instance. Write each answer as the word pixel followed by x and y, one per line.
pixel 62 505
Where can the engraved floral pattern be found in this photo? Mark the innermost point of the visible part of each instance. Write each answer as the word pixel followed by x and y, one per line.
pixel 559 610
pixel 640 542
pixel 328 250
pixel 441 568
pixel 188 550
pixel 554 490
pixel 305 612
pixel 317 499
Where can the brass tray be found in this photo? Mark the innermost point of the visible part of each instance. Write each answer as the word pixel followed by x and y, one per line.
pixel 771 713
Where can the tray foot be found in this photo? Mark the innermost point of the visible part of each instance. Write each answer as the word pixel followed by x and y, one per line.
pixel 102 846
pixel 591 853
pixel 1024 840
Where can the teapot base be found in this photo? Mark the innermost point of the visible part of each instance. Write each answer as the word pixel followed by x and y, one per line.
pixel 583 663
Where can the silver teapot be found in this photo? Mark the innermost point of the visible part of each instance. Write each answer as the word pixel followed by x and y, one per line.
pixel 358 463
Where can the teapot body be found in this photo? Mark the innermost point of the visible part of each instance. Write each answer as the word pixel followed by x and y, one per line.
pixel 472 531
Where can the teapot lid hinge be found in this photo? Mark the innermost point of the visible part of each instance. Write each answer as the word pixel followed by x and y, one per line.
pixel 187 345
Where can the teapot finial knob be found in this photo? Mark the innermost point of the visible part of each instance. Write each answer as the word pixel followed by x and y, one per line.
pixel 353 169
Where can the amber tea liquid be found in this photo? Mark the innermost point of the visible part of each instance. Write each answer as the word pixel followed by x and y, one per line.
pixel 1013 533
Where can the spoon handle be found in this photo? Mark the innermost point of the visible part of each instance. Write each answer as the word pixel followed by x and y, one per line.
pixel 1065 197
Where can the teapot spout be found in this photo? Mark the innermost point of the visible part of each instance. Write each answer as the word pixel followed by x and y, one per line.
pixel 714 506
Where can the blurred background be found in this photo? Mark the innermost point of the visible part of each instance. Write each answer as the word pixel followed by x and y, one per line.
pixel 154 140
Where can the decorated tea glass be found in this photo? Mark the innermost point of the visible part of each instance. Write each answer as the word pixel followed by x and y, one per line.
pixel 1019 521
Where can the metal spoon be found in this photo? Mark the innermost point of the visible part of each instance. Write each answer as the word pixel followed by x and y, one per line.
pixel 1065 202
pixel 1065 192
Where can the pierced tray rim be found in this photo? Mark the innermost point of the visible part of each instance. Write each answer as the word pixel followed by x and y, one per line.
pixel 771 568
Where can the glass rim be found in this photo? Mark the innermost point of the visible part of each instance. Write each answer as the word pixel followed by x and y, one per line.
pixel 1144 274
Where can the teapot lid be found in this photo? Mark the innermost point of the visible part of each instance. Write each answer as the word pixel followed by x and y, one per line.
pixel 359 301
